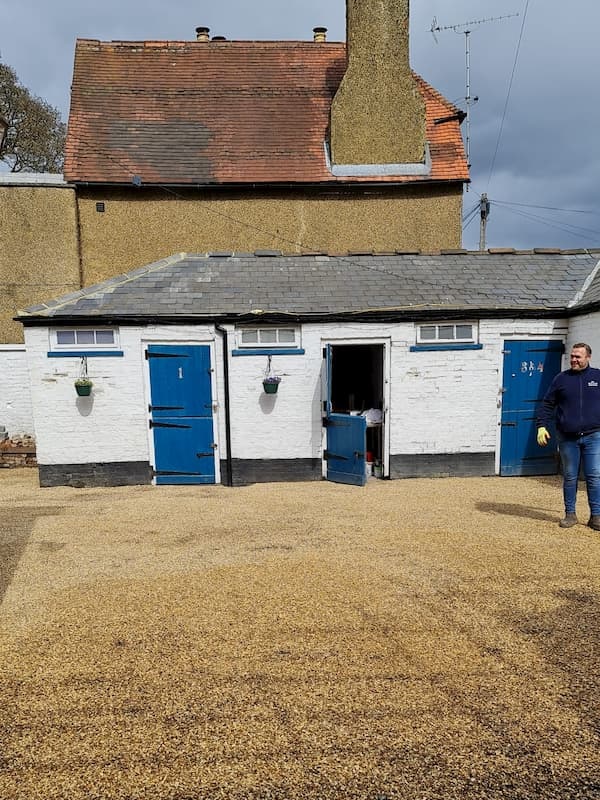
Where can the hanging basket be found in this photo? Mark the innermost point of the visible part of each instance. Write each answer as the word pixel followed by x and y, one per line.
pixel 270 387
pixel 83 384
pixel 83 388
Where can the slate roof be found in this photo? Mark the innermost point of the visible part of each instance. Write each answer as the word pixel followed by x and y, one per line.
pixel 191 287
pixel 222 112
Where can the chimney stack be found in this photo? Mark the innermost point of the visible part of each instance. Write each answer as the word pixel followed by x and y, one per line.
pixel 320 34
pixel 378 113
pixel 202 34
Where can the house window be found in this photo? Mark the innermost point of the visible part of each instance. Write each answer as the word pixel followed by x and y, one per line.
pixel 84 339
pixel 447 333
pixel 268 337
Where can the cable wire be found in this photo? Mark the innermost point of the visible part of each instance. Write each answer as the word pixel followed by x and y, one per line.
pixel 573 230
pixel 473 216
pixel 508 93
pixel 548 208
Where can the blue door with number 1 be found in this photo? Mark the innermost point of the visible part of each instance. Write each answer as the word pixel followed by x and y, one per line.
pixel 528 370
pixel 181 413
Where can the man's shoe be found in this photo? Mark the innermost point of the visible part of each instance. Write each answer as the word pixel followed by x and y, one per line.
pixel 571 519
pixel 594 522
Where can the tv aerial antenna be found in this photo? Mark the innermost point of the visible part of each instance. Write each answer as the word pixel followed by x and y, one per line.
pixel 465 28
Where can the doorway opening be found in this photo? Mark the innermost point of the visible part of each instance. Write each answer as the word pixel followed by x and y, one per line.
pixel 356 389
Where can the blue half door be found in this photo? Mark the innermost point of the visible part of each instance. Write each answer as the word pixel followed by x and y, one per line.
pixel 181 413
pixel 346 438
pixel 529 367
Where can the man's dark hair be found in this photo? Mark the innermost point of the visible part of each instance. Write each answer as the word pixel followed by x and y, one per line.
pixel 583 344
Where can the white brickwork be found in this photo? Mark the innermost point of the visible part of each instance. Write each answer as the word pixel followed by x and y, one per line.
pixel 16 414
pixel 111 424
pixel 438 402
pixel 449 401
pixel 585 329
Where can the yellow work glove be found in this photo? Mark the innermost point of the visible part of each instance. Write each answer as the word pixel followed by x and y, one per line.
pixel 543 436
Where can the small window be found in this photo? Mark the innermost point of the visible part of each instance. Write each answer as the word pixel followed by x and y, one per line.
pixel 268 337
pixel 85 339
pixel 447 332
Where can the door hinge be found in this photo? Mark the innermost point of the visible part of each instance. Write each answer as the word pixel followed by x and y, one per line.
pixel 156 472
pixel 154 424
pixel 327 455
pixel 148 355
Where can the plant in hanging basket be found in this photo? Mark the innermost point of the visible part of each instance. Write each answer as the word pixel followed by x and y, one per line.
pixel 83 386
pixel 271 383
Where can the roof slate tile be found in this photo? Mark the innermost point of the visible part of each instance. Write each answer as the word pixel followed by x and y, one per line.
pixel 192 285
pixel 197 113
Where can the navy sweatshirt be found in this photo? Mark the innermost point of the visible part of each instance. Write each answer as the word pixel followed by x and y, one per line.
pixel 574 397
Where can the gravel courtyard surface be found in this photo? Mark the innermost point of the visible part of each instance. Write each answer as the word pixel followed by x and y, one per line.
pixel 412 640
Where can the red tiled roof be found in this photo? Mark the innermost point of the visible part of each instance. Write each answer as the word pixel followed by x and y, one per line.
pixel 220 113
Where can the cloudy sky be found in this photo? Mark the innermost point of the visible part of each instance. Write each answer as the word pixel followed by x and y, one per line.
pixel 533 128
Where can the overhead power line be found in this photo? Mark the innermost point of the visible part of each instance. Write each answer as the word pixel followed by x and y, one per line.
pixel 574 230
pixel 510 84
pixel 548 208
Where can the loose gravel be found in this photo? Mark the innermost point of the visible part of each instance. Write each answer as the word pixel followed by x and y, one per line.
pixel 410 640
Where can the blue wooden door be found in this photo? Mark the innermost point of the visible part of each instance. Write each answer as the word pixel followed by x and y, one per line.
pixel 181 413
pixel 529 367
pixel 346 438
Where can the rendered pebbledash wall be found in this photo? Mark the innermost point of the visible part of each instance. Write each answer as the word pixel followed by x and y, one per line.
pixel 441 403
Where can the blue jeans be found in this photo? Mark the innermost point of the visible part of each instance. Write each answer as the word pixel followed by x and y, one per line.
pixel 582 450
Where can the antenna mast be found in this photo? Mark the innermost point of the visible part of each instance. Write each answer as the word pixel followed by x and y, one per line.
pixel 465 28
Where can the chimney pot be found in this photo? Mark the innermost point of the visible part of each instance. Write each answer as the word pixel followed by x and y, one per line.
pixel 202 34
pixel 219 39
pixel 320 34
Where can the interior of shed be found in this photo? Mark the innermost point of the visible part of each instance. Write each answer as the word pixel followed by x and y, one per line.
pixel 357 381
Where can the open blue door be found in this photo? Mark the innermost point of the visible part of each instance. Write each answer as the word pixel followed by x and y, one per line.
pixel 181 413
pixel 346 437
pixel 529 367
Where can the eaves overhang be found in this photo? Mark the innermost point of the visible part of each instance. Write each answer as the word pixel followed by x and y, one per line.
pixel 581 310
pixel 330 185
pixel 389 315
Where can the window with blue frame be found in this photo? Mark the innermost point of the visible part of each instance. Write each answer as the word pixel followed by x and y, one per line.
pixel 268 337
pixel 84 341
pixel 270 340
pixel 447 333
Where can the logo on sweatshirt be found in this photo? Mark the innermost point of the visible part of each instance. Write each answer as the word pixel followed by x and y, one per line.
pixel 593 383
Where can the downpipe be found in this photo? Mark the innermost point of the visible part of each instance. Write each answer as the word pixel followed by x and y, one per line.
pixel 228 460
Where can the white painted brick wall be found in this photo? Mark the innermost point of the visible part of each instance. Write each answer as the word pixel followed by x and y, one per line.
pixel 283 425
pixel 585 329
pixel 110 425
pixel 440 402
pixel 449 401
pixel 16 413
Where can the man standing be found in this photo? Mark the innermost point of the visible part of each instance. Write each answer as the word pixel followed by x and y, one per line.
pixel 573 399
